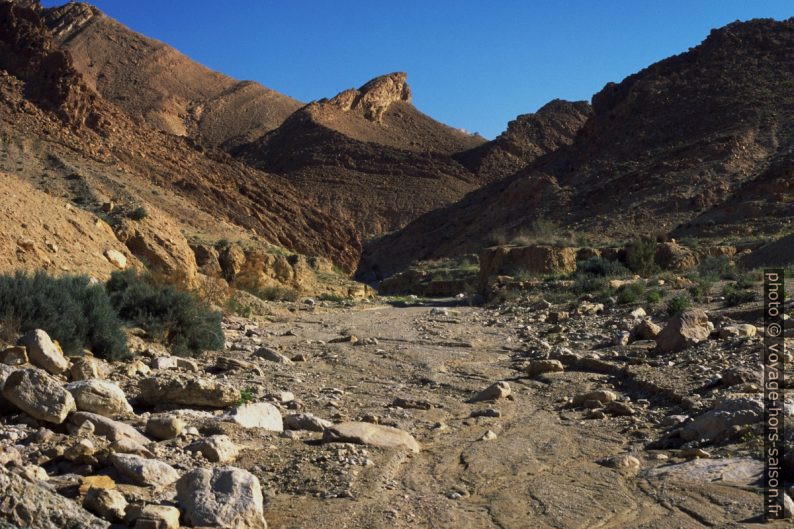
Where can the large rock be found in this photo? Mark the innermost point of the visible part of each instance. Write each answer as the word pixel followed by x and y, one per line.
pixel 225 497
pixel 717 422
pixel 164 426
pixel 88 367
pixel 108 428
pixel 673 256
pixel 370 434
pixel 27 504
pixel 257 415
pixel 99 396
pixel 496 391
pixel 38 395
pixel 43 352
pixel 685 329
pixel 144 472
pixel 107 503
pixel 525 260
pixel 216 449
pixel 188 391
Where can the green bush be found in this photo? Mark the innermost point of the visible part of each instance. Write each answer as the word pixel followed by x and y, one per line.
pixel 336 298
pixel 275 293
pixel 702 288
pixel 677 304
pixel 70 309
pixel 713 268
pixel 640 257
pixel 600 267
pixel 736 295
pixel 583 283
pixel 179 319
pixel 139 213
pixel 630 293
pixel 654 296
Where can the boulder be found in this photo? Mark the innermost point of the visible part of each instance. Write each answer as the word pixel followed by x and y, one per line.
pixel 224 497
pixel 38 395
pixel 88 367
pixel 256 415
pixel 718 421
pixel 144 472
pixel 646 330
pixel 43 352
pixel 108 428
pixel 156 517
pixel 107 503
pixel 521 260
pixel 683 330
pixel 370 434
pixel 216 449
pixel 29 504
pixel 188 391
pixel 99 396
pixel 673 256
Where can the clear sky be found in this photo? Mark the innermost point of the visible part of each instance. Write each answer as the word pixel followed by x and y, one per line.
pixel 473 64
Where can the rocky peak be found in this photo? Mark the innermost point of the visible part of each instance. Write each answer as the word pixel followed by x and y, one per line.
pixel 65 20
pixel 376 96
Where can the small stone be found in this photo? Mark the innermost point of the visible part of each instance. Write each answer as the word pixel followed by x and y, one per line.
pixel 698 453
pixel 622 462
pixel 116 258
pixel 14 356
pixel 618 408
pixel 79 451
pixel 43 352
pixel 646 330
pixel 272 355
pixel 538 367
pixel 602 396
pixel 306 421
pixel 107 503
pixel 164 427
pixel 490 435
pixel 498 390
pixel 621 338
pixel 163 362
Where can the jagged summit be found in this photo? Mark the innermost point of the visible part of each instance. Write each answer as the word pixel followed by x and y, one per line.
pixel 375 97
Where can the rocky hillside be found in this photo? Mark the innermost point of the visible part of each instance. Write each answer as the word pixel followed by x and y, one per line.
pixel 156 84
pixel 689 143
pixel 71 143
pixel 369 155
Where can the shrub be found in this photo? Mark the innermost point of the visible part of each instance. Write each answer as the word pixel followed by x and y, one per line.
pixel 70 309
pixel 630 293
pixel 276 293
pixel 600 267
pixel 677 304
pixel 736 295
pixel 713 268
pixel 178 318
pixel 654 296
pixel 336 298
pixel 138 213
pixel 640 257
pixel 702 288
pixel 584 283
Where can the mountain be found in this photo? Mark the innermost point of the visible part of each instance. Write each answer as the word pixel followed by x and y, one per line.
pixel 66 140
pixel 679 147
pixel 156 84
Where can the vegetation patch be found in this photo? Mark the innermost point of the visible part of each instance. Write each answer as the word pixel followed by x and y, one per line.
pixel 71 309
pixel 179 319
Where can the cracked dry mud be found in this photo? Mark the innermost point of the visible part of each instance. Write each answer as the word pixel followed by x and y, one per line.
pixel 541 470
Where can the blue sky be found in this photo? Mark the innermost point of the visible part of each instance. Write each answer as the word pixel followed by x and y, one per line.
pixel 471 64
